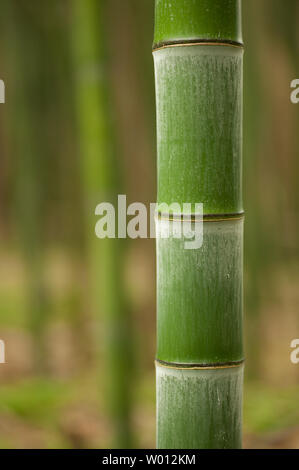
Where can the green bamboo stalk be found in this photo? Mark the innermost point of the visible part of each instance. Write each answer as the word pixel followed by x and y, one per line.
pixel 26 111
pixel 198 72
pixel 101 182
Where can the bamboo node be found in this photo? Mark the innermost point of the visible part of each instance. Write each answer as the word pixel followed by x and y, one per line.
pixel 221 365
pixel 214 42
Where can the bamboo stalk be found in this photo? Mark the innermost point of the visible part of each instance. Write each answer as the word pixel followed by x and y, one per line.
pixel 101 182
pixel 198 72
pixel 27 109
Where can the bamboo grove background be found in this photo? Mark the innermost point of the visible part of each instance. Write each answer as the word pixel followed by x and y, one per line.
pixel 80 97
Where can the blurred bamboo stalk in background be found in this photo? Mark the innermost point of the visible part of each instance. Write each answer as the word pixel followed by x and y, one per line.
pixel 101 182
pixel 28 91
pixel 270 161
pixel 198 69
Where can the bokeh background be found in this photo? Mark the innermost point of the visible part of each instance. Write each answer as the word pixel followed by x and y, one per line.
pixel 78 314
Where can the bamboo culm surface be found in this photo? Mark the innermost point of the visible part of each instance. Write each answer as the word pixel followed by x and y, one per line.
pixel 198 57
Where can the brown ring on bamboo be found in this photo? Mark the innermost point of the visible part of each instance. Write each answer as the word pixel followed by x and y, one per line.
pixel 228 365
pixel 199 43
pixel 202 218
